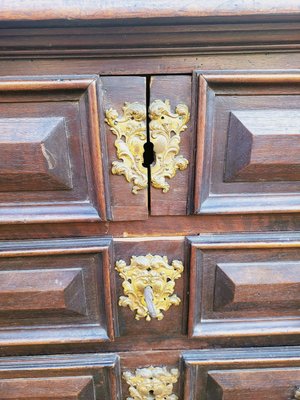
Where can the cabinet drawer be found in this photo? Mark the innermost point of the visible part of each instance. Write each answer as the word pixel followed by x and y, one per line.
pixel 84 377
pixel 248 142
pixel 50 157
pixel 55 291
pixel 150 275
pixel 245 285
pixel 247 374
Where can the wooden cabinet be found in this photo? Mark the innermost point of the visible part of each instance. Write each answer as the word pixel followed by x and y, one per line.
pixel 149 200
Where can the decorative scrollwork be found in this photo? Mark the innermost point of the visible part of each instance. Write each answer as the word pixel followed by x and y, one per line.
pixel 165 129
pixel 130 130
pixel 153 383
pixel 149 283
pixel 296 394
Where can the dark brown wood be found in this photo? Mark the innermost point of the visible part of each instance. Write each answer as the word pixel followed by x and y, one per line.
pixel 85 377
pixel 178 90
pixel 236 66
pixel 115 92
pixel 242 373
pixel 247 147
pixel 55 291
pixel 243 286
pixel 51 161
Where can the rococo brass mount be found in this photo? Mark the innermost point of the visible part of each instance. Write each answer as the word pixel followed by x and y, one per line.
pixel 153 383
pixel 149 283
pixel 165 129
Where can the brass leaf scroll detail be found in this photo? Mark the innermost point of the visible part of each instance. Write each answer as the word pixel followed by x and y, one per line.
pixel 149 273
pixel 153 383
pixel 130 130
pixel 165 130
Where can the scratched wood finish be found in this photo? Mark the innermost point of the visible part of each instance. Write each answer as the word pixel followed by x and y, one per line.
pixel 51 163
pixel 60 296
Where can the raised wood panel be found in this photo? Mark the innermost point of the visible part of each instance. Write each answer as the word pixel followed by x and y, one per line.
pixel 234 374
pixel 248 142
pixel 34 154
pixel 55 291
pixel 248 384
pixel 257 286
pixel 44 291
pixel 244 287
pixel 176 89
pixel 71 388
pixel 263 145
pixel 84 377
pixel 51 155
pixel 115 92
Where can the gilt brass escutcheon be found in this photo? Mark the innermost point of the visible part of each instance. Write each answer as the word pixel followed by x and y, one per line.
pixel 130 130
pixel 148 284
pixel 152 383
pixel 165 130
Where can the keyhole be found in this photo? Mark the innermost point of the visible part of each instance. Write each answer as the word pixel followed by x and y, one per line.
pixel 148 154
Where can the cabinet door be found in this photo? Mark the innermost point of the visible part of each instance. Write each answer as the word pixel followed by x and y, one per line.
pixel 124 122
pixel 83 377
pixel 260 374
pixel 171 131
pixel 152 178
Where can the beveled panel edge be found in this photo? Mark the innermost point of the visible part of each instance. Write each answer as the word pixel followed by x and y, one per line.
pixel 238 358
pixel 204 202
pixel 68 211
pixel 76 363
pixel 234 241
pixel 49 247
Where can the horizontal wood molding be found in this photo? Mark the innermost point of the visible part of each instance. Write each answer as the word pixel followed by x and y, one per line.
pixel 152 39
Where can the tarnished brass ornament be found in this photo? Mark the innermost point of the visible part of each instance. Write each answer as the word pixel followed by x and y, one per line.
pixel 165 129
pixel 149 283
pixel 130 130
pixel 153 383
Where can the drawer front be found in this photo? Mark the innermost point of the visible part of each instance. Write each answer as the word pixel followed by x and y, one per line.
pixel 150 275
pixel 244 286
pixel 248 142
pixel 84 377
pixel 259 374
pixel 51 167
pixel 55 291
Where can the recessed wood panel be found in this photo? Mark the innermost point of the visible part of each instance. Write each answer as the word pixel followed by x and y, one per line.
pixel 248 143
pixel 242 286
pixel 51 153
pixel 235 374
pixel 84 377
pixel 54 291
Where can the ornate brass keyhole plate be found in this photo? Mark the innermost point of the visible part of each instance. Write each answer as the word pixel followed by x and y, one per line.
pixel 152 383
pixel 165 129
pixel 148 284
